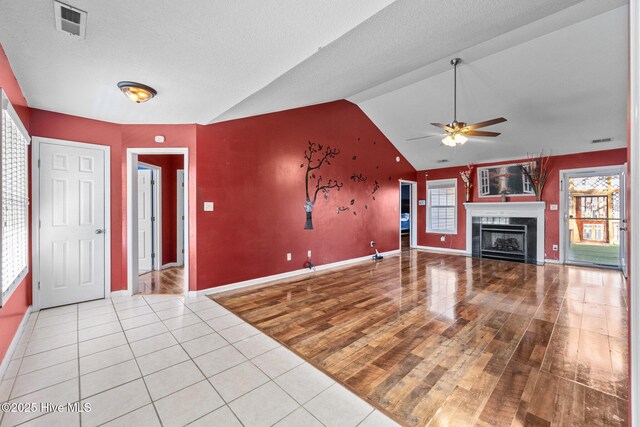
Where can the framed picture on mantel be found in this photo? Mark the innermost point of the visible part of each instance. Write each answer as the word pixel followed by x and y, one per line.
pixel 494 181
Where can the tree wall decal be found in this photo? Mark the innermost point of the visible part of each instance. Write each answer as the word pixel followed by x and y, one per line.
pixel 314 164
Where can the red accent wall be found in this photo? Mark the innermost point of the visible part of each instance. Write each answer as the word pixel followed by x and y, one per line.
pixel 251 169
pixel 169 164
pixel 12 312
pixel 550 194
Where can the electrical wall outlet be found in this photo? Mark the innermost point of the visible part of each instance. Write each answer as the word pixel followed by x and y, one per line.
pixel 443 238
pixel 553 207
pixel 208 206
pixel 555 247
pixel 372 244
pixel 308 254
pixel 289 256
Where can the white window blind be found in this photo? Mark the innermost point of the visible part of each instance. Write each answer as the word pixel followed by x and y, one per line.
pixel 442 206
pixel 15 199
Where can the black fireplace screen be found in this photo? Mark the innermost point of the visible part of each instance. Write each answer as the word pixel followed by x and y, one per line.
pixel 503 241
pixel 500 241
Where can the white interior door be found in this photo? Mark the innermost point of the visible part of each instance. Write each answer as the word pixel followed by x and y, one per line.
pixel 145 222
pixel 72 224
pixel 180 233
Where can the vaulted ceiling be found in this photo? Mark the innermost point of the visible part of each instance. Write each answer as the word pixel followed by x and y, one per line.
pixel 556 69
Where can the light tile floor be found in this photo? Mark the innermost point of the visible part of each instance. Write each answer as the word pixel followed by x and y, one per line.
pixel 166 360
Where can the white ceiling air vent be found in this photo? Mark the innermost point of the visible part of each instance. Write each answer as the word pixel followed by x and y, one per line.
pixel 601 140
pixel 70 20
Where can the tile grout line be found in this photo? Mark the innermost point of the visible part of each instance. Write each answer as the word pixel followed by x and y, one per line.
pixel 139 370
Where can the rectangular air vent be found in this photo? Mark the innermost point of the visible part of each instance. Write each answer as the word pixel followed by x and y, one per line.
pixel 601 140
pixel 70 20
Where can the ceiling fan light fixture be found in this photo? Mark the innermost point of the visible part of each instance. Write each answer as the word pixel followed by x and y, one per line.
pixel 137 92
pixel 454 139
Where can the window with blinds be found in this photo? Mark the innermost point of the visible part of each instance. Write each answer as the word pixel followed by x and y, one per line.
pixel 15 199
pixel 442 206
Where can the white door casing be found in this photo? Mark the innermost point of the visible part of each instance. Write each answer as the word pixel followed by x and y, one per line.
pixel 145 221
pixel 180 218
pixel 71 214
pixel 132 213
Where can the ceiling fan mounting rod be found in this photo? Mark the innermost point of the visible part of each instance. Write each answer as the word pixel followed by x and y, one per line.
pixel 455 62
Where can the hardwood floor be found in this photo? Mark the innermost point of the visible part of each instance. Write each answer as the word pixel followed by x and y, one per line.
pixel 436 339
pixel 166 281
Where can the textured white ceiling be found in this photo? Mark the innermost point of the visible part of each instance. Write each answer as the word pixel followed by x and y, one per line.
pixel 556 69
pixel 202 56
pixel 558 91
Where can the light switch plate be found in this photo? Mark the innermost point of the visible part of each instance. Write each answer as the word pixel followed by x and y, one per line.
pixel 422 202
pixel 208 206
pixel 553 207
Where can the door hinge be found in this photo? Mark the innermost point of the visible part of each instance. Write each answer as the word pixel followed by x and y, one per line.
pixel 153 218
pixel 38 285
pixel 152 182
pixel 153 255
pixel 182 250
pixel 38 163
pixel 39 224
pixel 183 217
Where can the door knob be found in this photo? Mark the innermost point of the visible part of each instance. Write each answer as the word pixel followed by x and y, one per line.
pixel 100 231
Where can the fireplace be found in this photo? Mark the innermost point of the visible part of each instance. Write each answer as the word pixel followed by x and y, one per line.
pixel 503 241
pixel 521 225
pixel 508 238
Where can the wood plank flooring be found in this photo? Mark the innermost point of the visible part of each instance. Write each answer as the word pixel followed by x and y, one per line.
pixel 445 340
pixel 166 281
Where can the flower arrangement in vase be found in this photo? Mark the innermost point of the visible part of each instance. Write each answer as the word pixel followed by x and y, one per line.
pixel 537 171
pixel 466 180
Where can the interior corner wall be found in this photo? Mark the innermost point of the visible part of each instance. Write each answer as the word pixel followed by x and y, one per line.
pixel 550 194
pixel 254 170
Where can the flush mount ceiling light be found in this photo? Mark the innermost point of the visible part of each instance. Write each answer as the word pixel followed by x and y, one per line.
pixel 137 92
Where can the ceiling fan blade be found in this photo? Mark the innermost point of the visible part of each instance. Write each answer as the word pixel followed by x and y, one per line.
pixel 445 127
pixel 421 137
pixel 484 124
pixel 481 133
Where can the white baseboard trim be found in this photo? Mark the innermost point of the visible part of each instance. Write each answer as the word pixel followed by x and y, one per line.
pixel 169 265
pixel 120 294
pixel 288 274
pixel 14 343
pixel 443 250
pixel 552 261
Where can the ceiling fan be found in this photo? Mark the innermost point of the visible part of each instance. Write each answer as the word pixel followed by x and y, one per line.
pixel 457 133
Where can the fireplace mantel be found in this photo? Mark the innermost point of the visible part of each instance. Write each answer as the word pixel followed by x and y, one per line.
pixel 508 210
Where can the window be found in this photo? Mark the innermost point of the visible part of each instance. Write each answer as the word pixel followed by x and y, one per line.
pixel 593 232
pixel 14 202
pixel 593 206
pixel 442 206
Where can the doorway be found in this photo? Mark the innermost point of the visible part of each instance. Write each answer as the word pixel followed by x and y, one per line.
pixel 180 217
pixel 157 252
pixel 71 222
pixel 594 221
pixel 407 210
pixel 149 217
